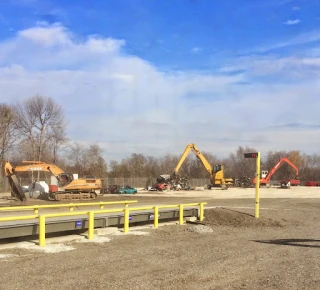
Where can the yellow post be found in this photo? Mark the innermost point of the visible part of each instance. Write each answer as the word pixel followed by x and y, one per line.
pixel 201 214
pixel 71 207
pixel 42 230
pixel 180 214
pixel 156 217
pixel 91 225
pixel 36 210
pixel 126 220
pixel 101 206
pixel 257 212
pixel 126 205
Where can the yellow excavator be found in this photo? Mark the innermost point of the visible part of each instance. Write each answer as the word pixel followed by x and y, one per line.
pixel 216 174
pixel 67 186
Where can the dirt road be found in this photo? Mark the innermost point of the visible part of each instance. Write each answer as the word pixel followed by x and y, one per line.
pixel 278 251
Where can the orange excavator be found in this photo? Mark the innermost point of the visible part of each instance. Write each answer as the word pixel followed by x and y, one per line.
pixel 67 187
pixel 266 175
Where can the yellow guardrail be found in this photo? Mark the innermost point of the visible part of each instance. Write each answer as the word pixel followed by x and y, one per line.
pixel 126 211
pixel 70 205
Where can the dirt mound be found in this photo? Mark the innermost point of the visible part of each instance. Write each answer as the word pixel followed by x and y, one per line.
pixel 228 217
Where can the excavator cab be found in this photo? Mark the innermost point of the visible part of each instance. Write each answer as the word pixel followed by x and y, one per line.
pixel 64 179
pixel 264 173
pixel 217 168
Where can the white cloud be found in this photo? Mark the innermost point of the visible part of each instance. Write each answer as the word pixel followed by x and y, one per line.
pixel 301 39
pixel 47 35
pixel 196 49
pixel 127 105
pixel 292 22
pixel 285 67
pixel 296 8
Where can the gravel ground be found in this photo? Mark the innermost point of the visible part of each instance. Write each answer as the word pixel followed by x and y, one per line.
pixel 278 251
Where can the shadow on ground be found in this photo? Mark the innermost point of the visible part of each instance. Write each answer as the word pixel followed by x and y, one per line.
pixel 304 243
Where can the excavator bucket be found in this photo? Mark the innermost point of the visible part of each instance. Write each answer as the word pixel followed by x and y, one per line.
pixel 16 188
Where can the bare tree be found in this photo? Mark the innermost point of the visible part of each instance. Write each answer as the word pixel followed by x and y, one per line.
pixel 40 120
pixel 76 156
pixel 311 170
pixel 238 165
pixel 96 164
pixel 167 163
pixel 57 139
pixel 8 134
pixel 87 160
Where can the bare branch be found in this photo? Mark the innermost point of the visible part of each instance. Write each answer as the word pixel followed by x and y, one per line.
pixel 40 122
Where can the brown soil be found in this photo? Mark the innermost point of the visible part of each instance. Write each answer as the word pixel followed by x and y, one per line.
pixel 278 251
pixel 233 218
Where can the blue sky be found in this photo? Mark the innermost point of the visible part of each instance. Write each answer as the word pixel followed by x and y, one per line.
pixel 164 32
pixel 153 75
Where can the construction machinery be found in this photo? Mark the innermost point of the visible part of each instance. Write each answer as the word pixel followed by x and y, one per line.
pixel 216 173
pixel 67 186
pixel 266 175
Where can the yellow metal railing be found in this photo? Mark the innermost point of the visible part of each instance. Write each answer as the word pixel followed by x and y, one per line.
pixel 126 211
pixel 71 206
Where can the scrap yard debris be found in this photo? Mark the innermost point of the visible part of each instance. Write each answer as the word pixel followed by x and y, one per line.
pixel 171 182
pixel 244 182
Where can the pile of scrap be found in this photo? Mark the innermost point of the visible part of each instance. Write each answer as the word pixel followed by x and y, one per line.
pixel 172 182
pixel 244 182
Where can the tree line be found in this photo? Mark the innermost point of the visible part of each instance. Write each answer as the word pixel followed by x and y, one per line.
pixel 235 165
pixel 36 129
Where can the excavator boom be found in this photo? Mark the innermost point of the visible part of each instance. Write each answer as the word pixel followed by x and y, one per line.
pixel 216 173
pixel 33 166
pixel 275 168
pixel 198 154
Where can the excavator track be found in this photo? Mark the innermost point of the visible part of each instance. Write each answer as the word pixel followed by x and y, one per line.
pixel 72 195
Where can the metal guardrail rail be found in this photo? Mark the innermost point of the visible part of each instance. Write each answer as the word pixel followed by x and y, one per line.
pixel 91 214
pixel 70 205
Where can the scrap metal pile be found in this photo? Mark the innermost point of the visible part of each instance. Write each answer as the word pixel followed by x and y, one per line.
pixel 244 182
pixel 172 182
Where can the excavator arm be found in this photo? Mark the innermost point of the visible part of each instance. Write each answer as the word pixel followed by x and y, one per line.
pixel 198 154
pixel 278 165
pixel 275 168
pixel 32 166
pixel 10 172
pixel 216 174
pixel 16 189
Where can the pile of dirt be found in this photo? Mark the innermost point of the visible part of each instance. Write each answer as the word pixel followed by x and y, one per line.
pixel 201 229
pixel 228 217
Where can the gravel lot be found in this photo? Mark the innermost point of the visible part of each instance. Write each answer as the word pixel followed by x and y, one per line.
pixel 278 251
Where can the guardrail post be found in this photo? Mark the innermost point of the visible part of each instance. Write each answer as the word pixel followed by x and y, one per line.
pixel 156 217
pixel 36 210
pixel 91 225
pixel 101 205
pixel 201 213
pixel 180 214
pixel 71 207
pixel 126 204
pixel 126 220
pixel 42 230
